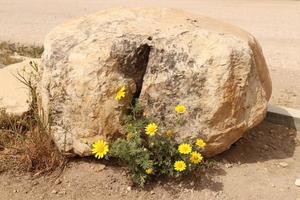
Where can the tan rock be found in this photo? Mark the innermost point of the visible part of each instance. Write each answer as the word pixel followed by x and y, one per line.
pixel 14 95
pixel 216 70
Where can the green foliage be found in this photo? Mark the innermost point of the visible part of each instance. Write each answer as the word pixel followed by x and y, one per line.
pixel 140 151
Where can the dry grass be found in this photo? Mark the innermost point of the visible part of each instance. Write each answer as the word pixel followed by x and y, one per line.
pixel 25 142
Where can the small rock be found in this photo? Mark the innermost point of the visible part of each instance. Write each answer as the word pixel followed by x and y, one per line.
pixel 99 168
pixel 15 191
pixel 34 183
pixel 36 175
pixel 54 192
pixel 283 164
pixel 297 182
pixel 192 183
pixel 186 190
pixel 123 173
pixel 152 192
pixel 57 181
pixel 128 188
pixel 228 165
pixel 292 134
pixel 62 192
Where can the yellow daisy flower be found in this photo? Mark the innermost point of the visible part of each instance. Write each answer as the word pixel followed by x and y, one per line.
pixel 184 148
pixel 180 109
pixel 120 94
pixel 200 143
pixel 196 157
pixel 179 166
pixel 100 149
pixel 151 129
pixel 149 171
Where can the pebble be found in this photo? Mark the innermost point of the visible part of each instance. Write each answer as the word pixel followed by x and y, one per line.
pixel 34 183
pixel 123 173
pixel 283 164
pixel 15 191
pixel 99 168
pixel 62 192
pixel 36 175
pixel 152 192
pixel 57 181
pixel 228 165
pixel 297 182
pixel 291 134
pixel 128 188
pixel 54 192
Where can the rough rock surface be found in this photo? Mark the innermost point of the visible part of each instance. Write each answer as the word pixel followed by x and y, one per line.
pixel 164 57
pixel 14 95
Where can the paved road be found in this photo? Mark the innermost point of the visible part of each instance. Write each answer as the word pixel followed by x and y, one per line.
pixel 276 24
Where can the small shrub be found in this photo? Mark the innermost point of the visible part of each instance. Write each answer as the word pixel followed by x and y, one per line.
pixel 150 151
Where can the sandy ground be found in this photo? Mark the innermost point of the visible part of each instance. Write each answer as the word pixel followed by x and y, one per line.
pixel 276 24
pixel 261 166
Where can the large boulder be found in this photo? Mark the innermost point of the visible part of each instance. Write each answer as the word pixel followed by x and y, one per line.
pixel 163 57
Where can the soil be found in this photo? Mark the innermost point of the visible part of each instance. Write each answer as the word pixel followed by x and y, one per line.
pixel 263 165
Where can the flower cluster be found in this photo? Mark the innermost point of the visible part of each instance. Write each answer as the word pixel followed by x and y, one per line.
pixel 148 149
pixel 189 155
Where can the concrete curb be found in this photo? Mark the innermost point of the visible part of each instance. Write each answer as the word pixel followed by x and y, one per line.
pixel 285 116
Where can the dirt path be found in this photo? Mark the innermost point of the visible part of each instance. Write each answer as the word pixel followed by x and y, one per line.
pixel 274 22
pixel 263 165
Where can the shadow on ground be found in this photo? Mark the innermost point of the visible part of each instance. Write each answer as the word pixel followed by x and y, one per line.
pixel 267 141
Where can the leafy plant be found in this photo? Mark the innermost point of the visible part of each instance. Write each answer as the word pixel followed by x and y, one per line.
pixel 151 154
